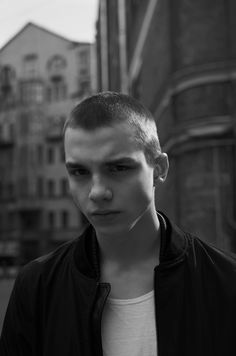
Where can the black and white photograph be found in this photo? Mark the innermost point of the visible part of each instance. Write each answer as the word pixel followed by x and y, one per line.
pixel 117 178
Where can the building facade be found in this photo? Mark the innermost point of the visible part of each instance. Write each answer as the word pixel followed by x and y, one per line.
pixel 42 76
pixel 180 61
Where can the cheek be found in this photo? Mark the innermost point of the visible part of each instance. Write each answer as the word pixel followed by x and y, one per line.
pixel 72 187
pixel 77 193
pixel 143 191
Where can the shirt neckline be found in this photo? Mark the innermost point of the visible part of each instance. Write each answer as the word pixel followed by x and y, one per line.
pixel 140 299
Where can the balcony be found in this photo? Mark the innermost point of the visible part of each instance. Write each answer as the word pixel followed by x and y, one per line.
pixel 5 144
pixel 28 204
pixel 55 127
pixel 6 137
pixel 54 134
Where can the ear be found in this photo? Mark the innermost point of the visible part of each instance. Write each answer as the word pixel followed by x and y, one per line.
pixel 161 168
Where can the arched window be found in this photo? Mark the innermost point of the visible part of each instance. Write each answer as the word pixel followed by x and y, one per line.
pixel 56 65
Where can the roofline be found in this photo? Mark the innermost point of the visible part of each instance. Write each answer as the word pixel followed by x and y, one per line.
pixel 75 43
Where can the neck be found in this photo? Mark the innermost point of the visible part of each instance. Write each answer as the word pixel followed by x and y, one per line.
pixel 137 245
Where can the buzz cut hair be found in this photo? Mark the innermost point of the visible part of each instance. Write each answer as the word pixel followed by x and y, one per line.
pixel 109 108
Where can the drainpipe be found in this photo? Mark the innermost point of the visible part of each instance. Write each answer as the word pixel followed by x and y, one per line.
pixel 122 46
pixel 104 44
pixel 136 60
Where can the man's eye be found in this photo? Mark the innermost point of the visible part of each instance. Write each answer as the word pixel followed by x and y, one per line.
pixel 78 172
pixel 119 168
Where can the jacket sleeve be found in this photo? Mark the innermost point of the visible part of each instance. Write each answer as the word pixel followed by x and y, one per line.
pixel 18 327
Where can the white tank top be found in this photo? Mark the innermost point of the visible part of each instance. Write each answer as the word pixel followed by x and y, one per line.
pixel 129 327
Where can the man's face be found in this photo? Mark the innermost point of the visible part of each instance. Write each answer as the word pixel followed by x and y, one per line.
pixel 109 177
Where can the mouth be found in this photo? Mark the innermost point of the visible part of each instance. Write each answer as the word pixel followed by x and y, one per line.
pixel 104 213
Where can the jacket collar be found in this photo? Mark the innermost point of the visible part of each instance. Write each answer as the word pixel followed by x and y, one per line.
pixel 86 253
pixel 173 241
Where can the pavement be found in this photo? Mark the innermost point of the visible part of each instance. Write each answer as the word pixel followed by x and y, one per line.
pixel 5 291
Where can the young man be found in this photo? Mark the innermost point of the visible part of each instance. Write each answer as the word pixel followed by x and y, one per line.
pixel 133 283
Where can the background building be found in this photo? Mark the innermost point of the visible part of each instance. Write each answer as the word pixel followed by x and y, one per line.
pixel 42 76
pixel 178 58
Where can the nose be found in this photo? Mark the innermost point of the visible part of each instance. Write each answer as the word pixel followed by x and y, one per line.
pixel 99 190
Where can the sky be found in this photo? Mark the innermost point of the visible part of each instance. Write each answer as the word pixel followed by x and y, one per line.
pixel 73 19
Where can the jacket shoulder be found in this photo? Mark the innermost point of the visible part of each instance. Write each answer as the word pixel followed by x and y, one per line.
pixel 210 252
pixel 212 265
pixel 43 268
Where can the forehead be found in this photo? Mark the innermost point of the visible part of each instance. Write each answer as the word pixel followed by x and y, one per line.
pixel 100 145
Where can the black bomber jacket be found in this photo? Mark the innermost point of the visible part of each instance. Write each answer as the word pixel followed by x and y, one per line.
pixel 56 305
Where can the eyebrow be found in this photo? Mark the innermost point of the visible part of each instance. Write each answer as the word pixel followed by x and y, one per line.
pixel 71 165
pixel 122 160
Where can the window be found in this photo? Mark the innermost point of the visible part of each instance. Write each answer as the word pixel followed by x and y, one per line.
pixel 30 63
pixel 57 90
pixel 51 155
pixel 65 219
pixel 11 217
pixel 56 64
pixel 83 58
pixel 7 80
pixel 62 154
pixel 6 76
pixel 31 92
pixel 23 187
pixel 51 187
pixel 64 186
pixel 23 155
pixel 55 128
pixel 51 219
pixel 84 87
pixel 24 123
pixel 38 93
pixel 83 72
pixel 3 221
pixel 31 155
pixel 10 190
pixel 11 130
pixel 39 187
pixel 40 154
pixel 7 131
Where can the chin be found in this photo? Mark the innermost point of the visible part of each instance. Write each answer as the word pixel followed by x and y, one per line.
pixel 112 229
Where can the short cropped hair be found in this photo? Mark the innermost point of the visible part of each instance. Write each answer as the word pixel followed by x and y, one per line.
pixel 108 108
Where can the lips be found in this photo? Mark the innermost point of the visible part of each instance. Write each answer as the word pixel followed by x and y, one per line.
pixel 104 212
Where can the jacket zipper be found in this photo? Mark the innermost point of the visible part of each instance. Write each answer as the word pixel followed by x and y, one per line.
pixel 103 290
pixel 156 311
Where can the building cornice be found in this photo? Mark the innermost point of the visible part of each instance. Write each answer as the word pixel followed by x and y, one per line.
pixel 186 79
